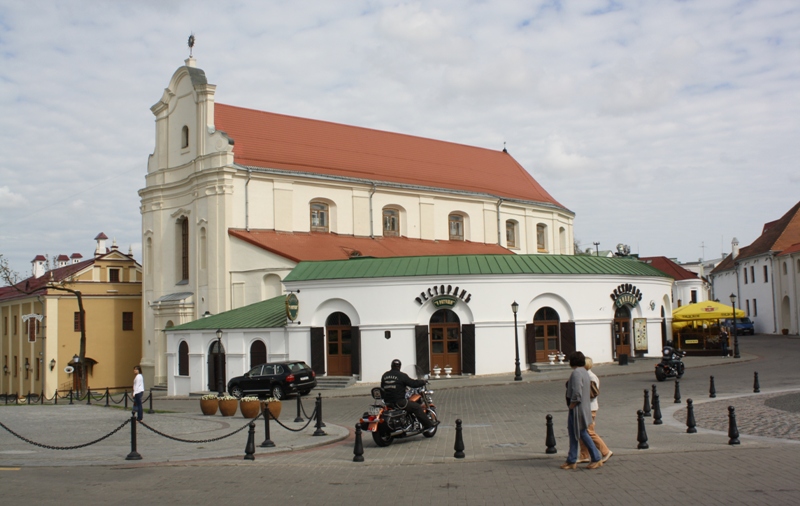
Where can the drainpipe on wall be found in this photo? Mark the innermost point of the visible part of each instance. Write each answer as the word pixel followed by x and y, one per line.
pixel 499 236
pixel 247 202
pixel 771 262
pixel 371 219
pixel 44 343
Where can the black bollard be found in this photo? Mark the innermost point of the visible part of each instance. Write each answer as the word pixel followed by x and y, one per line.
pixel 298 418
pixel 642 437
pixel 646 407
pixel 28 398
pixel 88 396
pixel 126 399
pixel 250 447
pixel 318 416
pixel 150 411
pixel 677 392
pixel 358 449
pixel 656 410
pixel 133 455
pixel 756 386
pixel 712 392
pixel 70 396
pixel 691 425
pixel 107 396
pixel 653 399
pixel 459 446
pixel 550 440
pixel 41 398
pixel 55 397
pixel 733 430
pixel 267 441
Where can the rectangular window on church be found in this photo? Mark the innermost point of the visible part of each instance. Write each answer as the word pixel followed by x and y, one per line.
pixel 127 321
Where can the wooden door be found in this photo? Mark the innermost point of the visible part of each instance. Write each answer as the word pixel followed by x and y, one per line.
pixel 339 345
pixel 622 332
pixel 545 333
pixel 445 332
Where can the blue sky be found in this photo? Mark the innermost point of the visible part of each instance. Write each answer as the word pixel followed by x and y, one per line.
pixel 662 125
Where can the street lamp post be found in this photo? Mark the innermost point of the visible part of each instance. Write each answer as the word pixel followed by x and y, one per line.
pixel 517 371
pixel 220 381
pixel 735 332
pixel 597 247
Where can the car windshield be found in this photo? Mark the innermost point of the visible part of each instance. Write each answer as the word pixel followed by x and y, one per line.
pixel 745 320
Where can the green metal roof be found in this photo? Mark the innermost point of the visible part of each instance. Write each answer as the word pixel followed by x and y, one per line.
pixel 462 265
pixel 270 313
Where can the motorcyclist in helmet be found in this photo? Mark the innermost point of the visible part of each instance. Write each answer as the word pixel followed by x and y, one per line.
pixel 394 383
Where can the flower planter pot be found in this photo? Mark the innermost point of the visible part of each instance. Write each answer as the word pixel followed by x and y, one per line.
pixel 228 408
pixel 274 408
pixel 785 332
pixel 250 409
pixel 209 406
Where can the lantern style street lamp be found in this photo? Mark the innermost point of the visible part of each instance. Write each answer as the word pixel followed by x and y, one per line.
pixel 220 381
pixel 735 331
pixel 517 371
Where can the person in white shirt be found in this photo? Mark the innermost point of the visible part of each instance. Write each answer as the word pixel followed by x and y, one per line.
pixel 138 391
pixel 598 441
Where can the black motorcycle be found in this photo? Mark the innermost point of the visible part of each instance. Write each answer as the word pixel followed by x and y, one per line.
pixel 671 365
pixel 388 422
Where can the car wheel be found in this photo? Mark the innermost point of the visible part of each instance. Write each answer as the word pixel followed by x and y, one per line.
pixel 382 437
pixel 277 392
pixel 236 391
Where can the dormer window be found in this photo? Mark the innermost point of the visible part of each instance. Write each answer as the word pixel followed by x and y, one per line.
pixel 391 222
pixel 319 217
pixel 511 234
pixel 185 137
pixel 456 227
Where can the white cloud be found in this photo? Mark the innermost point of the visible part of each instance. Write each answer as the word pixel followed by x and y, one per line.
pixel 9 199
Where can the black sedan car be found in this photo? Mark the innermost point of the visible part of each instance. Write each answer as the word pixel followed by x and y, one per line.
pixel 277 379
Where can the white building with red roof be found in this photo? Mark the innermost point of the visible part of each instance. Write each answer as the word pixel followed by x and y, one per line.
pixel 235 198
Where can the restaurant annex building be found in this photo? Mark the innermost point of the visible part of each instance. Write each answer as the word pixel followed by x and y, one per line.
pixel 354 316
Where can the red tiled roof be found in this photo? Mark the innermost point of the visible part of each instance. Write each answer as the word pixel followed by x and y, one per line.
pixel 670 268
pixel 776 236
pixel 269 140
pixel 794 248
pixel 32 285
pixel 303 246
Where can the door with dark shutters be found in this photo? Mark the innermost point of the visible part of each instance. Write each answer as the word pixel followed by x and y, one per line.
pixel 468 349
pixel 318 350
pixel 423 353
pixel 567 337
pixel 530 344
pixel 355 357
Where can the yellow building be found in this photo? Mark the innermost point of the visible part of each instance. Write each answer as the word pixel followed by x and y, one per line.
pixel 40 334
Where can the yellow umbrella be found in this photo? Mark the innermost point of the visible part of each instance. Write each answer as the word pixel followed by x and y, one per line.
pixel 708 310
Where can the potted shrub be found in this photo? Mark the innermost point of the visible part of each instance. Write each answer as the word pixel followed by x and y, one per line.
pixel 228 405
pixel 209 404
pixel 785 332
pixel 249 406
pixel 273 405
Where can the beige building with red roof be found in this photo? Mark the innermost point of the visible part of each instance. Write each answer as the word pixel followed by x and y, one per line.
pixel 235 198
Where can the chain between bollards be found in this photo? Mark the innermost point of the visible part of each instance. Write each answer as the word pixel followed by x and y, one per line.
pixel 550 440
pixel 646 407
pixel 733 430
pixel 358 448
pixel 133 455
pixel 459 446
pixel 691 425
pixel 642 436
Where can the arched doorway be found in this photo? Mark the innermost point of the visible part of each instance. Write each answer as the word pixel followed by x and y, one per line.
pixel 339 340
pixel 258 353
pixel 216 365
pixel 445 332
pixel 545 334
pixel 622 331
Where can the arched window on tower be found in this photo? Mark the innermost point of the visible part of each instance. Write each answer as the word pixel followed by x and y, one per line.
pixel 183 249
pixel 185 137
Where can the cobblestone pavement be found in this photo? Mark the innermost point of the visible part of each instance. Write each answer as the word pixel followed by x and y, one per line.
pixel 504 434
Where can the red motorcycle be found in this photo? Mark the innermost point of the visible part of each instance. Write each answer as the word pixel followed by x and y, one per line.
pixel 387 422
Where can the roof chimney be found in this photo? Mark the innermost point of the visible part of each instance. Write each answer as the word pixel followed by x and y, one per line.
pixel 734 248
pixel 62 260
pixel 38 266
pixel 101 244
pixel 76 257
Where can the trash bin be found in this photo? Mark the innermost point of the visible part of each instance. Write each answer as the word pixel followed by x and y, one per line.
pixel 623 359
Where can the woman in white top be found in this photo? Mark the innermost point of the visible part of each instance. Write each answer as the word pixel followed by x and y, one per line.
pixel 598 441
pixel 138 391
